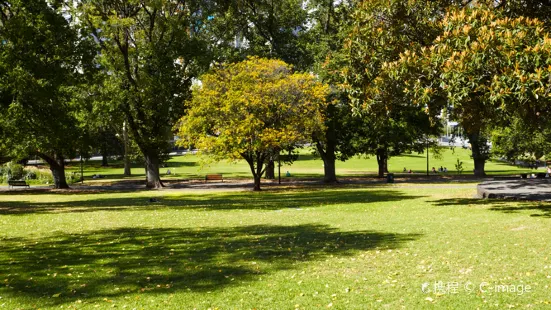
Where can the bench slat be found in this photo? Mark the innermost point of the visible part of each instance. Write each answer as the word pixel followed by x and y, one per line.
pixel 13 183
pixel 214 177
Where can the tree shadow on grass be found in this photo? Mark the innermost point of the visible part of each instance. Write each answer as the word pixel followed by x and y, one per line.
pixel 111 263
pixel 226 201
pixel 501 205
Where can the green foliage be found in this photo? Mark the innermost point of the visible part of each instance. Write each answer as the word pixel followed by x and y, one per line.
pixel 263 28
pixel 380 31
pixel 44 62
pixel 150 53
pixel 483 68
pixel 528 8
pixel 253 110
pixel 459 166
pixel 11 171
pixel 33 175
pixel 518 141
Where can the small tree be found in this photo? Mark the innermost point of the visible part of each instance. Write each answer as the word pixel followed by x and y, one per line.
pixel 459 166
pixel 251 110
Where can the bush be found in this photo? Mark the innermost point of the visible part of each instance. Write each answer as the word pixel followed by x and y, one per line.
pixel 44 176
pixel 30 174
pixel 12 171
pixel 72 177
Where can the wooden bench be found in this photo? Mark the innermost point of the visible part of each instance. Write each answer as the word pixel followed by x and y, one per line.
pixel 213 177
pixel 13 183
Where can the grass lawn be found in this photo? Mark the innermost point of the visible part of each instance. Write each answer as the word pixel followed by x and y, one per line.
pixel 191 166
pixel 347 247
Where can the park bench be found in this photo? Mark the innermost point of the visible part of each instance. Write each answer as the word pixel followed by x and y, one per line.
pixel 213 177
pixel 13 183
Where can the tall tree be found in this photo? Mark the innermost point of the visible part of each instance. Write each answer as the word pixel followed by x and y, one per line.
pixel 43 66
pixel 380 32
pixel 329 25
pixel 485 69
pixel 252 110
pixel 150 51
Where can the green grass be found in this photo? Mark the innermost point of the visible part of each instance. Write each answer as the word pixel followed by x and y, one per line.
pixel 192 166
pixel 344 247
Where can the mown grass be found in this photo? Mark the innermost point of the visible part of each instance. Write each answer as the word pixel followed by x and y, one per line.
pixel 348 247
pixel 195 166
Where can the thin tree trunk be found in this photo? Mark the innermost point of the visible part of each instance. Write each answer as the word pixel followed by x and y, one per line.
pixel 145 169
pixel 270 169
pixel 104 161
pixel 127 170
pixel 104 153
pixel 381 162
pixel 153 178
pixel 256 162
pixel 57 167
pixel 256 187
pixel 259 172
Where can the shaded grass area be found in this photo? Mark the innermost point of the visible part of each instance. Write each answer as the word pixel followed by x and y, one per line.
pixel 351 247
pixel 111 263
pixel 231 201
pixel 541 209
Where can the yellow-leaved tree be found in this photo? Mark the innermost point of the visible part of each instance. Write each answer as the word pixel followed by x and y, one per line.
pixel 251 110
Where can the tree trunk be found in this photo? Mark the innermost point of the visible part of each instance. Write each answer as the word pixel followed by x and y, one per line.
pixel 479 167
pixel 256 163
pixel 270 169
pixel 329 174
pixel 327 149
pixel 153 178
pixel 479 153
pixel 127 171
pixel 104 162
pixel 257 183
pixel 57 167
pixel 381 162
pixel 58 173
pixel 145 169
pixel 259 172
pixel 329 158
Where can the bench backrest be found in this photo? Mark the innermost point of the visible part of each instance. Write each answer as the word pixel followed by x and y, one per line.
pixel 213 177
pixel 14 182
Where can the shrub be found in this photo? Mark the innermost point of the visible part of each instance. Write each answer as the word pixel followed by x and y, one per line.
pixel 12 171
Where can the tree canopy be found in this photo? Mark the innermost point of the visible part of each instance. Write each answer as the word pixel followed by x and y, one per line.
pixel 380 32
pixel 150 52
pixel 484 70
pixel 251 110
pixel 44 62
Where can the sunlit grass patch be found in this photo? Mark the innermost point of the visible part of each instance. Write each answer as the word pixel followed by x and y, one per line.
pixel 350 247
